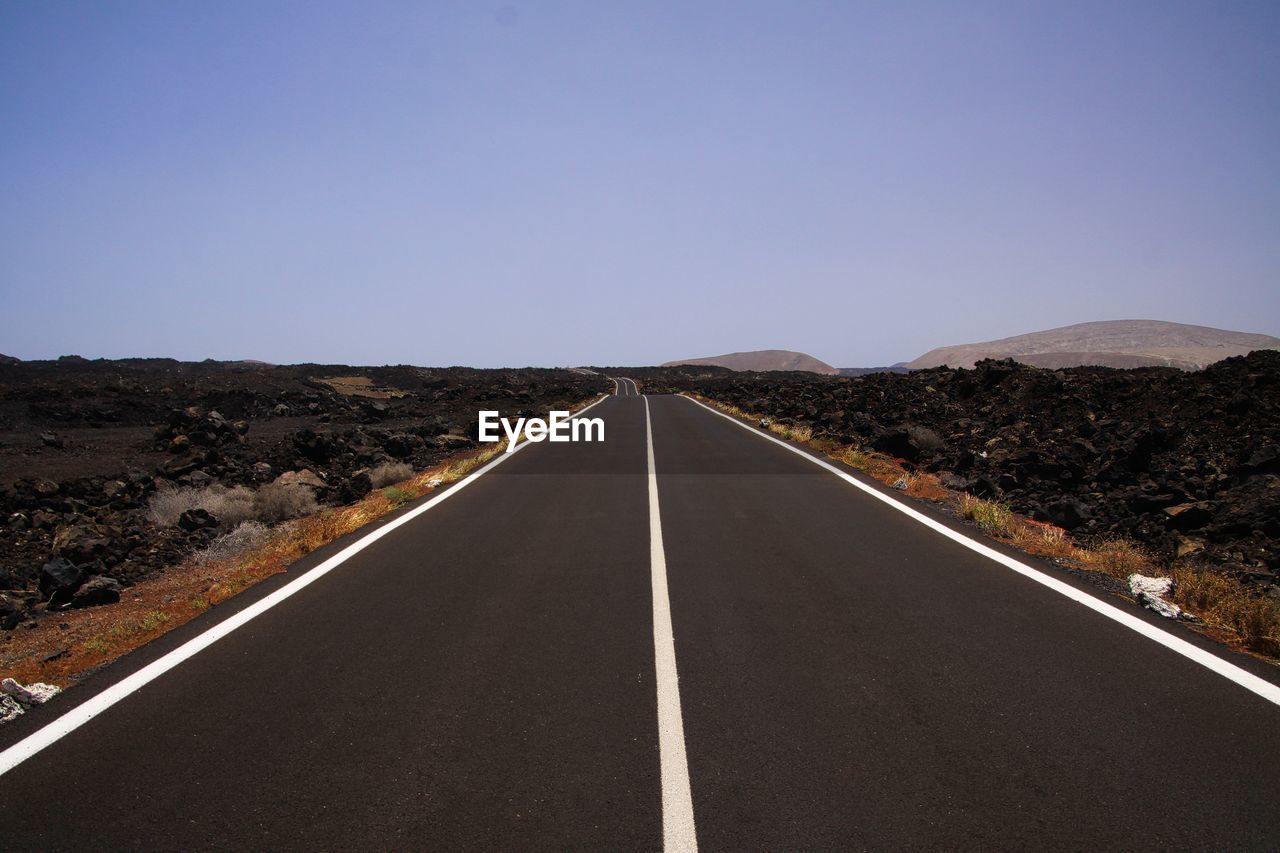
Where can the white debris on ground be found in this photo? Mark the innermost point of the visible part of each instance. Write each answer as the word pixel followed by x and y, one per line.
pixel 900 484
pixel 16 699
pixel 433 482
pixel 1151 592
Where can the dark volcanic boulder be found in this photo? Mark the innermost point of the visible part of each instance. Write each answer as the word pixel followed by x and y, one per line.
pixel 96 591
pixel 184 464
pixel 59 579
pixel 310 445
pixel 1250 509
pixel 1261 459
pixel 84 543
pixel 196 519
pixel 372 410
pixel 991 372
pixel 11 612
pixel 911 442
pixel 452 441
pixel 432 426
pixel 354 487
pixel 1190 516
pixel 895 442
pixel 32 493
pixel 401 445
pixel 1068 513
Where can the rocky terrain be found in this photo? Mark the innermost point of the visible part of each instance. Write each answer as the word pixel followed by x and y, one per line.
pixel 1109 343
pixel 99 460
pixel 1185 463
pixel 762 360
pixel 98 457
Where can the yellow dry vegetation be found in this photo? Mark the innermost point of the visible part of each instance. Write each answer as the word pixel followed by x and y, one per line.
pixel 361 386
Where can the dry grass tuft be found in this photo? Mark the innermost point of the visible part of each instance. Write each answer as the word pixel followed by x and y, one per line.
pixel 167 505
pixel 876 465
pixel 1223 602
pixel 1042 539
pixel 277 502
pixel 397 496
pixel 247 536
pixel 1118 558
pixel 792 432
pixel 1200 591
pixel 230 506
pixel 991 516
pixel 926 486
pixel 390 472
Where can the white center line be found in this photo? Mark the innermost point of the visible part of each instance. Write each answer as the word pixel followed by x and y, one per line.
pixel 677 799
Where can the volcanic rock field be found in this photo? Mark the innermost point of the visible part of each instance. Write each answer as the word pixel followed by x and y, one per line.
pixel 87 446
pixel 1187 464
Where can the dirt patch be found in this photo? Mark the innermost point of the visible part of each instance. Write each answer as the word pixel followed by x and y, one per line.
pixel 361 386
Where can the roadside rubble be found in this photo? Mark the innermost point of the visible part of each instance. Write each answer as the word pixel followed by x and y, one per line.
pixel 1151 593
pixel 15 699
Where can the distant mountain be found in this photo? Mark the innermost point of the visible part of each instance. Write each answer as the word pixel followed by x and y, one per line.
pixel 900 367
pixel 8 359
pixel 1108 343
pixel 765 359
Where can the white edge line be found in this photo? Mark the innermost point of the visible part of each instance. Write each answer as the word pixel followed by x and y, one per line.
pixel 90 708
pixel 1226 669
pixel 678 830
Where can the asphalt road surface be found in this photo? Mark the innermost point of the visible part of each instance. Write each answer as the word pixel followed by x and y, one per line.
pixel 499 672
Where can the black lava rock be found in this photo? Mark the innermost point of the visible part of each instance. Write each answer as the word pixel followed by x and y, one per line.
pixel 59 579
pixel 196 519
pixel 97 591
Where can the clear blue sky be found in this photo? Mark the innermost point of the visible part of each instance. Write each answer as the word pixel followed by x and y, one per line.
pixel 566 183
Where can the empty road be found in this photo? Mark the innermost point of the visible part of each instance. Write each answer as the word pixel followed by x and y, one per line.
pixel 686 635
